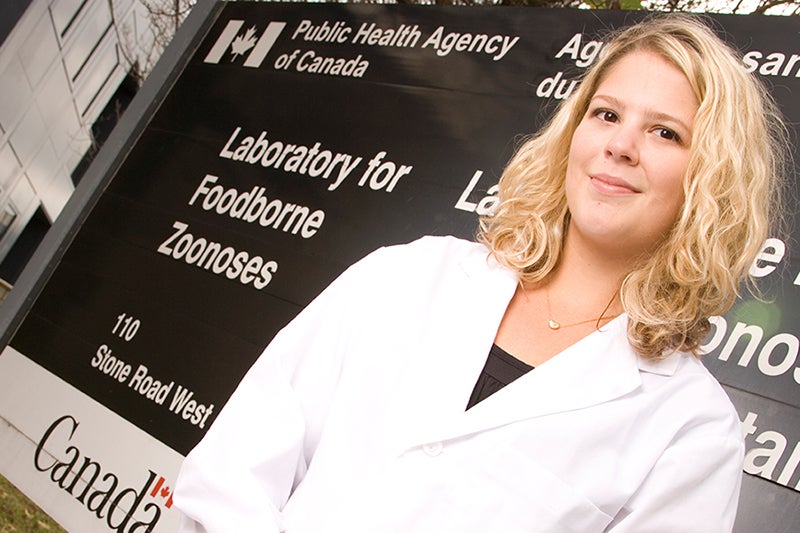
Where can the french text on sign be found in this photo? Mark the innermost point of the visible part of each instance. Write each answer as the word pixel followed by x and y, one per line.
pixel 482 207
pixel 764 461
pixel 776 356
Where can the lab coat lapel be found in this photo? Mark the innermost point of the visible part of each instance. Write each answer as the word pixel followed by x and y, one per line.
pixel 436 388
pixel 462 342
pixel 596 369
pixel 600 367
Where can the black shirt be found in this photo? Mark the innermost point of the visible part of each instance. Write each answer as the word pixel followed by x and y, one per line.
pixel 501 368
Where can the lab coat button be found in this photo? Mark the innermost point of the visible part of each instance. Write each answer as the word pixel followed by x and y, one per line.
pixel 432 449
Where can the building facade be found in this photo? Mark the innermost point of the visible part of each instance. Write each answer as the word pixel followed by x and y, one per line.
pixel 61 64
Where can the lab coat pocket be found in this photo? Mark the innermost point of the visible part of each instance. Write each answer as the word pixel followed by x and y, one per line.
pixel 509 491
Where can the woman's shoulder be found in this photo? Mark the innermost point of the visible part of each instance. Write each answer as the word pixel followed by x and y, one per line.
pixel 447 245
pixel 427 267
pixel 693 394
pixel 427 251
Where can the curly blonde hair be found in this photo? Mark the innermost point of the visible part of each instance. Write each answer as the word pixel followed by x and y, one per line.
pixel 731 189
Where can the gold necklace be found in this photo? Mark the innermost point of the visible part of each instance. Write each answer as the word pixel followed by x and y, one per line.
pixel 556 325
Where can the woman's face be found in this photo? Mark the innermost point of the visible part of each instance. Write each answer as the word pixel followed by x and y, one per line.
pixel 628 156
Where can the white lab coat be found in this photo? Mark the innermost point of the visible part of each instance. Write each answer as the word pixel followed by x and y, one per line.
pixel 353 420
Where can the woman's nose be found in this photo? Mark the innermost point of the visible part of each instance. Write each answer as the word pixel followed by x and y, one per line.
pixel 623 145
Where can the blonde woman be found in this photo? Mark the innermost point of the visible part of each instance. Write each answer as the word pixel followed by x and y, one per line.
pixel 622 226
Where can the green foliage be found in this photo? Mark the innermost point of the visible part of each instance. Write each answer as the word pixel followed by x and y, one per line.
pixel 20 515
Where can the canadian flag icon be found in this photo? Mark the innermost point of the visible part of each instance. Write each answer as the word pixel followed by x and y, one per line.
pixel 160 490
pixel 241 43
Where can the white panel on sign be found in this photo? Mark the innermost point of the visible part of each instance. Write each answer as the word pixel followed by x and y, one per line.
pixel 46 422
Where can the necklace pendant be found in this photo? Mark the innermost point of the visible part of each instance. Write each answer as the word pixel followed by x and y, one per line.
pixel 552 324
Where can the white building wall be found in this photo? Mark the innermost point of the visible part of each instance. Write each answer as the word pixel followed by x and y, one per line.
pixel 59 67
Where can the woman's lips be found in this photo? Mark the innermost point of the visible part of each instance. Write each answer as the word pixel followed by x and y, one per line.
pixel 612 185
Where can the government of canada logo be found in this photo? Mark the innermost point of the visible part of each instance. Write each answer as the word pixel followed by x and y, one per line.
pixel 247 42
pixel 123 508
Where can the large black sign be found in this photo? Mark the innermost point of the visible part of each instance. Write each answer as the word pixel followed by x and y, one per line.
pixel 298 139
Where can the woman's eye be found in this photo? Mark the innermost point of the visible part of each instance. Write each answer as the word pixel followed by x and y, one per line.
pixel 606 115
pixel 667 134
